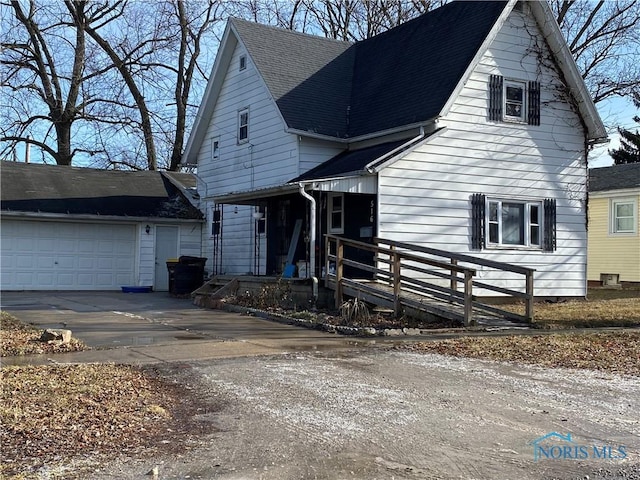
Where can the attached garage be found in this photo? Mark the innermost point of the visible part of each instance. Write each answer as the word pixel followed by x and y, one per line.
pixel 67 256
pixel 67 228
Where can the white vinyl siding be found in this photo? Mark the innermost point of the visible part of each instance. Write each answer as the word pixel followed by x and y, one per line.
pixel 624 216
pixel 268 158
pixel 424 198
pixel 314 152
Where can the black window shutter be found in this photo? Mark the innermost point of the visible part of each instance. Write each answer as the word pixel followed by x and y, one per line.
pixel 477 221
pixel 534 103
pixel 495 97
pixel 215 224
pixel 549 244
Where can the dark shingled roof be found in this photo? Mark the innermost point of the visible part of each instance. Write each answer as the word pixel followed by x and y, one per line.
pixel 400 77
pixel 309 77
pixel 72 190
pixel 617 177
pixel 349 161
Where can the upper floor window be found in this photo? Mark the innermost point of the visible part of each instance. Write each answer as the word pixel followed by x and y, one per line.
pixel 243 125
pixel 243 62
pixel 624 215
pixel 335 212
pixel 215 147
pixel 514 100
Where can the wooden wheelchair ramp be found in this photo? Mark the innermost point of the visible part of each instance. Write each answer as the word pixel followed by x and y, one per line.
pixel 423 280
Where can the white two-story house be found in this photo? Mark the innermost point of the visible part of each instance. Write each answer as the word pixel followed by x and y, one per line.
pixel 466 129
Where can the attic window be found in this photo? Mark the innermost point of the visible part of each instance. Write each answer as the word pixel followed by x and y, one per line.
pixel 243 62
pixel 514 100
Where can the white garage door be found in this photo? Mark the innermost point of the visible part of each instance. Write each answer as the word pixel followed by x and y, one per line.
pixel 66 256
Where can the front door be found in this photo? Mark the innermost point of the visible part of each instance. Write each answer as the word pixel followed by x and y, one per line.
pixel 166 248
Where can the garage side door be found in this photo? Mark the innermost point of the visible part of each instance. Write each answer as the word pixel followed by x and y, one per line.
pixel 66 256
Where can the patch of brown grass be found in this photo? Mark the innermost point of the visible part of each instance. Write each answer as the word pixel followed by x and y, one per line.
pixel 611 352
pixel 611 312
pixel 50 415
pixel 16 338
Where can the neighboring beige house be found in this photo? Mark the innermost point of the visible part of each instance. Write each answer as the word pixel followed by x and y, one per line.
pixel 614 226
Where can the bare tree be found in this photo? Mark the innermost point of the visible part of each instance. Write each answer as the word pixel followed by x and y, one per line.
pixel 193 21
pixel 604 37
pixel 45 71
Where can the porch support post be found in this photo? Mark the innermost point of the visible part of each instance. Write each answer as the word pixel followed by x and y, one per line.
pixel 468 298
pixel 339 258
pixel 454 279
pixel 529 292
pixel 397 305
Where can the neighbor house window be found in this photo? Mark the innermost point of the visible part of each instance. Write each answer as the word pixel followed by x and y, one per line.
pixel 335 211
pixel 215 148
pixel 243 125
pixel 514 100
pixel 624 216
pixel 243 62
pixel 513 223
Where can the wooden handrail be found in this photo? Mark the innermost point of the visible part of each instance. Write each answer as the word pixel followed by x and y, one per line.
pixel 398 253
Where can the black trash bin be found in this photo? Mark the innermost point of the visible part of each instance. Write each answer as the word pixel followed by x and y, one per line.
pixel 171 268
pixel 188 275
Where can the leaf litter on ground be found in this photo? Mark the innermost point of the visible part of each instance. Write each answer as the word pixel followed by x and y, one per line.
pixel 54 415
pixel 17 338
pixel 617 352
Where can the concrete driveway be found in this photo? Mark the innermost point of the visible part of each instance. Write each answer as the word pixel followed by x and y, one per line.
pixel 157 327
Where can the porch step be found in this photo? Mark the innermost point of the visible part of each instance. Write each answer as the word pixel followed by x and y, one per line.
pixel 212 292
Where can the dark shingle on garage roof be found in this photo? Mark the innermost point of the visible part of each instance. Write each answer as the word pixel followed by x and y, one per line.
pixel 39 188
pixel 400 77
pixel 617 177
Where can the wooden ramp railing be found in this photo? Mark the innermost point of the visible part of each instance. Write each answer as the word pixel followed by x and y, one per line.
pixel 425 279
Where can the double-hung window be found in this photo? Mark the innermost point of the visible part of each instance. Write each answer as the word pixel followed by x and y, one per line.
pixel 513 223
pixel 514 106
pixel 513 100
pixel 623 216
pixel 335 211
pixel 243 125
pixel 215 148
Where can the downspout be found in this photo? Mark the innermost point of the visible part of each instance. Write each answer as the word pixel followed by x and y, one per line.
pixel 312 239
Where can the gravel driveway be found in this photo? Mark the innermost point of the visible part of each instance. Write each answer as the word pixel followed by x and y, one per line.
pixel 398 415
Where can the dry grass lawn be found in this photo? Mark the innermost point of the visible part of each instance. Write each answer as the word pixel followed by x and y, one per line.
pixel 603 308
pixel 611 352
pixel 52 414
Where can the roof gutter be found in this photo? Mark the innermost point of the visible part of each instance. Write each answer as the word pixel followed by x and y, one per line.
pixel 371 167
pixel 83 217
pixel 361 138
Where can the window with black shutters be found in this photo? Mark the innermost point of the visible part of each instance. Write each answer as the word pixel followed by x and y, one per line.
pixel 512 100
pixel 512 223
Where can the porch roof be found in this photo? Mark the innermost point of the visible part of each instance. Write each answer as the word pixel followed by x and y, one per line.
pixel 251 197
pixel 349 162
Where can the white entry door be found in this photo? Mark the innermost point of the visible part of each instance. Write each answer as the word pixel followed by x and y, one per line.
pixel 166 248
